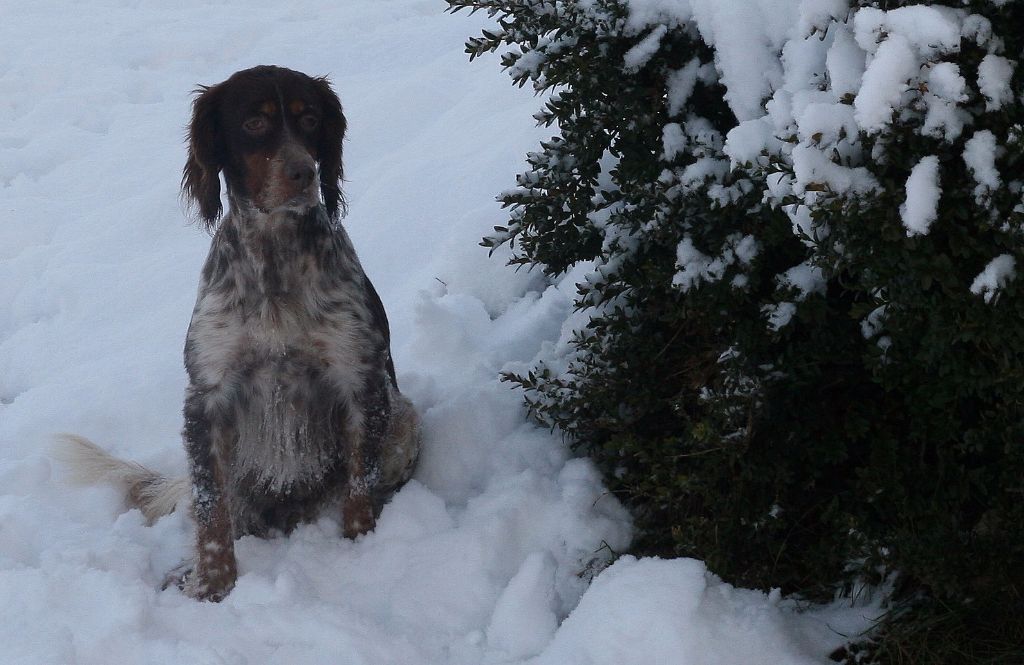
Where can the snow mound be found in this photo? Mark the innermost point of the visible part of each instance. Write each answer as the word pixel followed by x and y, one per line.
pixel 643 611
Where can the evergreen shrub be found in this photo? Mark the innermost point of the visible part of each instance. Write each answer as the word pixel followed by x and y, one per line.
pixel 798 363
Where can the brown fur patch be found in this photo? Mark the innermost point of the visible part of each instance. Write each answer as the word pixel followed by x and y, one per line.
pixel 215 567
pixel 258 169
pixel 357 515
pixel 267 175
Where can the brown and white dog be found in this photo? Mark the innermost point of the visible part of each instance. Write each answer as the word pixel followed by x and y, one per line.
pixel 292 404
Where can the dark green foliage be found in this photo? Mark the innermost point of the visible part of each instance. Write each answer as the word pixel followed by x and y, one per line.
pixel 804 455
pixel 946 493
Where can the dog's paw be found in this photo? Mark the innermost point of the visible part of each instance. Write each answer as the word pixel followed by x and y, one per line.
pixel 178 575
pixel 216 590
pixel 357 516
pixel 198 586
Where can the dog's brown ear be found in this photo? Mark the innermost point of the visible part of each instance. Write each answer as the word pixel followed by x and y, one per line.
pixel 329 149
pixel 200 182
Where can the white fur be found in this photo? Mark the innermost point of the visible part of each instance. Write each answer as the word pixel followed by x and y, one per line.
pixel 151 492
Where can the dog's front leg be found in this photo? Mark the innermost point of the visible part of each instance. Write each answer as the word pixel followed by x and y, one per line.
pixel 215 567
pixel 365 439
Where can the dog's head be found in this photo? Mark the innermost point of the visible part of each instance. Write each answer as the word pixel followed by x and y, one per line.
pixel 270 130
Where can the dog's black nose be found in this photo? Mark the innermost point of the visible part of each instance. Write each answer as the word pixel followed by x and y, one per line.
pixel 300 172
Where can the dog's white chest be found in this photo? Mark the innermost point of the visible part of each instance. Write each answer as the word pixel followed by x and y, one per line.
pixel 292 379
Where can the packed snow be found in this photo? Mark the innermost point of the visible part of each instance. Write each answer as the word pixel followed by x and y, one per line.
pixel 487 555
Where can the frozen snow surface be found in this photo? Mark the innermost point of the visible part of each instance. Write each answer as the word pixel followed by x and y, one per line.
pixel 486 556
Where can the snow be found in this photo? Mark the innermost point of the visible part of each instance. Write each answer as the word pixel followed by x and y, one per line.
pixel 826 123
pixel 945 81
pixel 645 13
pixel 931 29
pixel 872 324
pixel 745 142
pixel 695 267
pixel 980 157
pixel 996 275
pixel 944 118
pixel 994 75
pixel 922 204
pixel 745 33
pixel 682 81
pixel 846 63
pixel 805 278
pixel 742 32
pixel 814 171
pixel 524 619
pixel 673 139
pixel 817 15
pixel 693 264
pixel 645 593
pixel 847 73
pixel 780 314
pixel 485 557
pixel 885 81
pixel 638 56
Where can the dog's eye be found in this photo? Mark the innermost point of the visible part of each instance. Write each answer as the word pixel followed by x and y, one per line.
pixel 309 123
pixel 256 125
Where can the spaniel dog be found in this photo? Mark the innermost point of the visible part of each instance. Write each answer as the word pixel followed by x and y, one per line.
pixel 292 404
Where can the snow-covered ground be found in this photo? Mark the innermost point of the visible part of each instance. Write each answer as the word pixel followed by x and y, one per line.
pixel 485 556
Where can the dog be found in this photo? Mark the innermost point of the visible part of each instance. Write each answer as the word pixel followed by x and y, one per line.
pixel 292 404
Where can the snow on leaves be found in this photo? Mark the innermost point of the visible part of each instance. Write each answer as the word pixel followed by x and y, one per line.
pixel 849 75
pixel 922 204
pixel 980 156
pixel 994 74
pixel 696 267
pixel 996 275
pixel 837 85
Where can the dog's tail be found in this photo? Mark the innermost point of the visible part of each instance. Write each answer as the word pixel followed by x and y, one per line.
pixel 153 493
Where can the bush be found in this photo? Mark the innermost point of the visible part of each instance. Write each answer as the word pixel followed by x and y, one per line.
pixel 801 355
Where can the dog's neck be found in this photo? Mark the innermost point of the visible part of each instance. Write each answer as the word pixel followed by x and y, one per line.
pixel 282 226
pixel 277 253
pixel 242 207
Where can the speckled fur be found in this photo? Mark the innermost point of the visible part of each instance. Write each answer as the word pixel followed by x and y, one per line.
pixel 292 404
pixel 287 357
